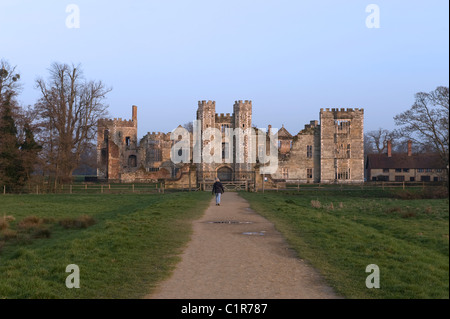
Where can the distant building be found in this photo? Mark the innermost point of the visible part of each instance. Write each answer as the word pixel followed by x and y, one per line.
pixel 405 167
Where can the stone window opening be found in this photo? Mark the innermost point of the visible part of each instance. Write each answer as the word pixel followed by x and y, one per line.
pixel 342 126
pixel 127 141
pixel 132 161
pixel 155 155
pixel 224 127
pixel 309 151
pixel 342 174
pixel 285 173
pixel 309 173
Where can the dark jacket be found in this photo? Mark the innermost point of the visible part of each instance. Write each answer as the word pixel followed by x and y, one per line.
pixel 217 188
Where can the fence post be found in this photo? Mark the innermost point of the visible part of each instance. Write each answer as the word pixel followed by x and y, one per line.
pixel 4 189
pixel 70 188
pixel 403 185
pixel 102 189
pixel 132 187
pixel 37 189
pixel 298 185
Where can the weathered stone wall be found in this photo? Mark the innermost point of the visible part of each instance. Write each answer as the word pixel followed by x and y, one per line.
pixel 304 155
pixel 116 143
pixel 342 145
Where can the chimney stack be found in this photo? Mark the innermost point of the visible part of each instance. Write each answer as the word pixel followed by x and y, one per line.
pixel 409 148
pixel 389 148
pixel 134 113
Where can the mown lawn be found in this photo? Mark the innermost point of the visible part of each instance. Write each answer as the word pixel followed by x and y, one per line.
pixel 340 233
pixel 131 244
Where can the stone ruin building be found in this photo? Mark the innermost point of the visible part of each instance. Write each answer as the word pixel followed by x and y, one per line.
pixel 330 150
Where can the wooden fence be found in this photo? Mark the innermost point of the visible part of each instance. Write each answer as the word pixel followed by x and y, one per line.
pixel 151 188
pixel 362 186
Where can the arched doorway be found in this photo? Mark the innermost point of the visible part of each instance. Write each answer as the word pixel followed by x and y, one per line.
pixel 225 174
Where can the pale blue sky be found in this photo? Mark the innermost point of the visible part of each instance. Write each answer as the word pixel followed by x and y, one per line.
pixel 290 58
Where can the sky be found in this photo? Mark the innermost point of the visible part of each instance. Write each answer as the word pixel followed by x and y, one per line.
pixel 290 58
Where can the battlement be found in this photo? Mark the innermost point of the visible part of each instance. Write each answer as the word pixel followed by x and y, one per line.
pixel 205 103
pixel 158 136
pixel 312 124
pixel 342 110
pixel 116 122
pixel 243 103
pixel 223 117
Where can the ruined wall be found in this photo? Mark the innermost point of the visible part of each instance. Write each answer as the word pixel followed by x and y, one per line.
pixel 117 146
pixel 342 145
pixel 302 162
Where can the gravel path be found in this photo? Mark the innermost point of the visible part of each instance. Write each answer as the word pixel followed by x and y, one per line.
pixel 235 253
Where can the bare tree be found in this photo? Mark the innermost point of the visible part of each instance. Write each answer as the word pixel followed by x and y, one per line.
pixel 68 109
pixel 189 126
pixel 9 80
pixel 427 121
pixel 378 139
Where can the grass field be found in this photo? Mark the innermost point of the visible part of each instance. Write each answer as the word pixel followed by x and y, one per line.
pixel 340 233
pixel 123 244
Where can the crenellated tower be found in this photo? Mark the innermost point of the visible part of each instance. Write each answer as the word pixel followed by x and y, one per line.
pixel 117 147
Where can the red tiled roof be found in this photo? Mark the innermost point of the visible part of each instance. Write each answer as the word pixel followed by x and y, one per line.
pixel 415 161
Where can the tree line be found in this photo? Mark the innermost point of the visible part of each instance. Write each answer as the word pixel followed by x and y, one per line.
pixel 52 137
pixel 57 134
pixel 425 124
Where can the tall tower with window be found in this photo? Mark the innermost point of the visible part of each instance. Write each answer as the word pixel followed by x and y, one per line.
pixel 117 149
pixel 342 145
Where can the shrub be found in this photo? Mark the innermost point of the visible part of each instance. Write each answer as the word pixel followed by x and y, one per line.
pixel 3 223
pixel 8 234
pixel 407 214
pixel 30 222
pixel 83 221
pixel 316 204
pixel 395 209
pixel 42 233
pixel 426 193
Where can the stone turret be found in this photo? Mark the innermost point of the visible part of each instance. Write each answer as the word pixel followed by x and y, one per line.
pixel 116 146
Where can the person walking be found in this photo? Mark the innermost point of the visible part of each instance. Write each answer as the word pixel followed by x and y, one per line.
pixel 217 189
